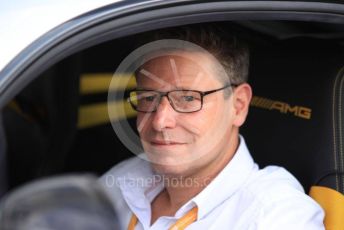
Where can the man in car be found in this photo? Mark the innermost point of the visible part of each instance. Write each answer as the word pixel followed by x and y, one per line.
pixel 197 172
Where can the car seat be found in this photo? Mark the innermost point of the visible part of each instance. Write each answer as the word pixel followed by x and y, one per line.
pixel 296 118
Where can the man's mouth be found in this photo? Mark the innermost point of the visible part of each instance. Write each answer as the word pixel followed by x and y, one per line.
pixel 165 143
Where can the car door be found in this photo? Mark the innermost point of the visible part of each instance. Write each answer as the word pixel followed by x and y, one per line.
pixel 71 49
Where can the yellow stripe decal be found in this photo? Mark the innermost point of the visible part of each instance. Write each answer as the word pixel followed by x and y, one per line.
pixel 97 114
pixel 100 82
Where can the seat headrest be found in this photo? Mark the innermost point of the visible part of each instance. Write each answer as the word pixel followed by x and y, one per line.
pixel 295 118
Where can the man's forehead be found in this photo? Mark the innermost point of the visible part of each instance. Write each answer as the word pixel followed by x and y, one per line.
pixel 182 64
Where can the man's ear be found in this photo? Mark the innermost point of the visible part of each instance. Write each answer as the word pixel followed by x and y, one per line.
pixel 242 96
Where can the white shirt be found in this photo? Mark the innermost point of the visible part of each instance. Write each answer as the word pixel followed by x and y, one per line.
pixel 241 197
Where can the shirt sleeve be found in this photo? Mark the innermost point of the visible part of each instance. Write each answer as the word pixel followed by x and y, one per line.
pixel 297 212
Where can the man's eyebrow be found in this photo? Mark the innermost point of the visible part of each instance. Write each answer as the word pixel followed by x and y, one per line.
pixel 151 89
pixel 141 88
pixel 183 88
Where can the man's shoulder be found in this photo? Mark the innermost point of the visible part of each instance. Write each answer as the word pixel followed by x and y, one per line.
pixel 274 183
pixel 133 165
pixel 274 177
pixel 281 198
pixel 113 180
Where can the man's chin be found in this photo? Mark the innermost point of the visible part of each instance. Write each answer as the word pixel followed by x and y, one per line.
pixel 171 159
pixel 171 170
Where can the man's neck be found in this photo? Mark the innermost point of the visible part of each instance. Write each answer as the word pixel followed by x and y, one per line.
pixel 187 188
pixel 180 189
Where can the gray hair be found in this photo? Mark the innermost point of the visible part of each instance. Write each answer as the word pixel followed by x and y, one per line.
pixel 227 48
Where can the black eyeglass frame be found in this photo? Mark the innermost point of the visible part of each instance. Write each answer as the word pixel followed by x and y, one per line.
pixel 163 94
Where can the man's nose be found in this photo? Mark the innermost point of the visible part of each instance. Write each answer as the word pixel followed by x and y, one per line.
pixel 165 115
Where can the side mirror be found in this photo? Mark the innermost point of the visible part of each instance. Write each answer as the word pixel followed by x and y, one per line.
pixel 67 202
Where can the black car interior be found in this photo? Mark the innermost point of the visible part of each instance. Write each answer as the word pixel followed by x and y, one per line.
pixel 295 120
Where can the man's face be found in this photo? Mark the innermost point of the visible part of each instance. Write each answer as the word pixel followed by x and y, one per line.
pixel 182 143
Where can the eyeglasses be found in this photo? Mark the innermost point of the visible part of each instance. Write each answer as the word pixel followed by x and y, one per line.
pixel 182 101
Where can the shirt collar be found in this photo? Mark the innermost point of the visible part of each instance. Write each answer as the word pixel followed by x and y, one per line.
pixel 139 187
pixel 140 184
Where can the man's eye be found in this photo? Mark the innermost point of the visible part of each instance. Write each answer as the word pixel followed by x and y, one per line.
pixel 149 98
pixel 188 98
